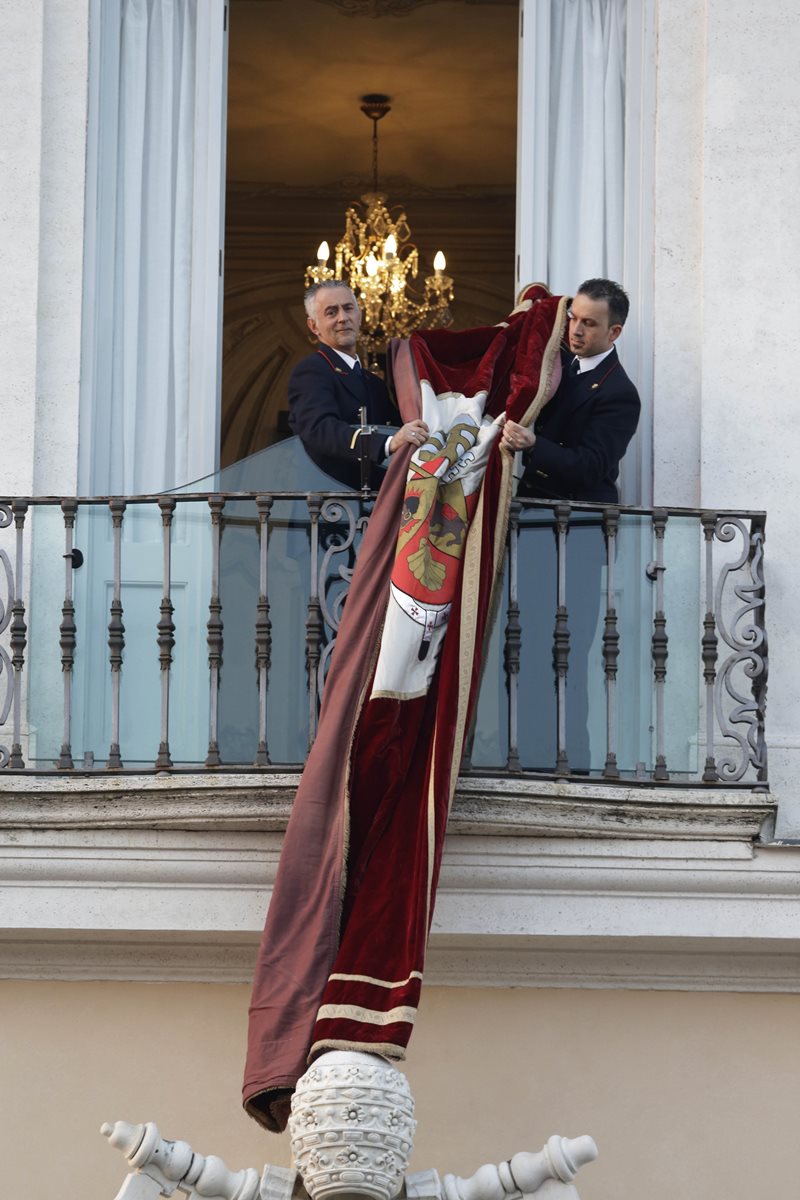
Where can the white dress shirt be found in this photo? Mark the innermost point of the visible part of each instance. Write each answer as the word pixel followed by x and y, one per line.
pixel 589 364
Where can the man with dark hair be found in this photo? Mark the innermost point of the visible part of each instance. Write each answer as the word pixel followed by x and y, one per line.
pixel 573 453
pixel 605 289
pixel 574 449
pixel 328 389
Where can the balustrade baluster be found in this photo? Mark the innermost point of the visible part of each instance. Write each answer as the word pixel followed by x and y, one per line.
pixel 214 638
pixel 263 628
pixel 6 605
pixel 314 619
pixel 513 639
pixel 660 640
pixel 17 636
pixel 709 645
pixel 610 642
pixel 67 634
pixel 116 635
pixel 166 630
pixel 731 623
pixel 561 639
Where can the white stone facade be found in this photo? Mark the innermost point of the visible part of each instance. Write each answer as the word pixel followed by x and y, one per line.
pixel 102 883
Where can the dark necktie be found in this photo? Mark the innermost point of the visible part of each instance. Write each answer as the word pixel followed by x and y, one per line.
pixel 575 367
pixel 361 376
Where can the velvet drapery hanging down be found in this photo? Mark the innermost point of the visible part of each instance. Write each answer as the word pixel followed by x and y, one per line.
pixel 343 950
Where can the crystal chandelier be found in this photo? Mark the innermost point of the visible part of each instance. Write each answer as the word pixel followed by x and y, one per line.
pixel 377 258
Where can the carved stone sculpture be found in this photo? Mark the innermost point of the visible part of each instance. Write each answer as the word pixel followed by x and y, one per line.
pixel 546 1174
pixel 352 1128
pixel 160 1167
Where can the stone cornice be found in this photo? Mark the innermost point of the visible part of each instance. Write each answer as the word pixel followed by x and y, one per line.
pixel 738 965
pixel 543 884
pixel 509 805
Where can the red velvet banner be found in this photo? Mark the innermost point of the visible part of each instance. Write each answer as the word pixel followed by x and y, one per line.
pixel 343 950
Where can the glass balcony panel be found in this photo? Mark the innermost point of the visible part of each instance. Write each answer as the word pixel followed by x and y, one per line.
pixel 282 468
pixel 585 597
pixel 189 592
pixel 635 606
pixel 488 746
pixel 683 558
pixel 238 590
pixel 45 591
pixel 537 586
pixel 140 591
pixel 615 719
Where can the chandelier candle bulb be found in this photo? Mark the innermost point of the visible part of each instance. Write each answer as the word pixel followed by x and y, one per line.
pixel 321 271
pixel 377 259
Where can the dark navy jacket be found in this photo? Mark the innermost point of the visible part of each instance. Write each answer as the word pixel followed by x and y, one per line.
pixel 324 401
pixel 582 434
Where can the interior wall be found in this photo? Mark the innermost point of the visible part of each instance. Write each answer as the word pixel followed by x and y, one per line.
pixel 686 1094
pixel 300 152
pixel 271 238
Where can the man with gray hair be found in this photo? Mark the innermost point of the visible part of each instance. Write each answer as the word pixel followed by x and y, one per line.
pixel 328 389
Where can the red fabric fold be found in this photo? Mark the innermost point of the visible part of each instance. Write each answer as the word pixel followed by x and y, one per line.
pixel 343 950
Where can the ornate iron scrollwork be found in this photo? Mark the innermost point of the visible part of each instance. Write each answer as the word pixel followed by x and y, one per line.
pixel 335 577
pixel 744 633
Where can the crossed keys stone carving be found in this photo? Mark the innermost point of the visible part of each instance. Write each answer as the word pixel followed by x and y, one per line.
pixel 351 1129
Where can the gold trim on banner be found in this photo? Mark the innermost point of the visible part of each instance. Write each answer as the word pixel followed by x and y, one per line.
pixel 369 1016
pixel 386 983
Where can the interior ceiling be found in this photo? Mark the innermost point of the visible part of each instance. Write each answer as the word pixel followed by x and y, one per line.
pixel 297 70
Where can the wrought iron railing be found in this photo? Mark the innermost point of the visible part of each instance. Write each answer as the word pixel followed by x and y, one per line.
pixel 194 631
